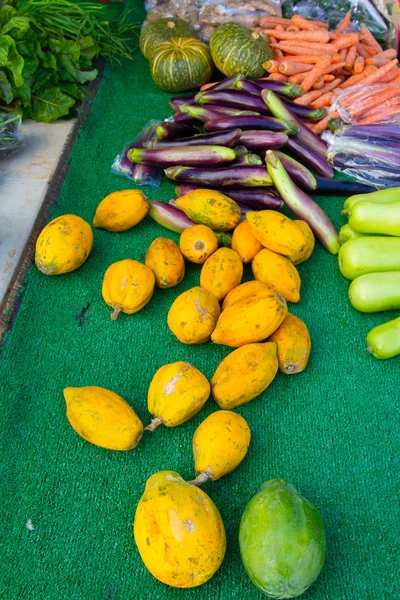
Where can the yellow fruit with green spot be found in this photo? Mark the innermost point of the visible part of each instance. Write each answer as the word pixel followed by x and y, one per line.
pixel 165 259
pixel 310 243
pixel 63 245
pixel 121 210
pixel 128 286
pixel 277 232
pixel 210 208
pixel 278 272
pixel 193 316
pixel 179 532
pixel 176 393
pixel 103 418
pixel 222 272
pixel 243 290
pixel 220 443
pixel 244 242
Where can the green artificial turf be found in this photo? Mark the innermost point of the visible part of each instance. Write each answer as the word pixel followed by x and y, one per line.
pixel 332 431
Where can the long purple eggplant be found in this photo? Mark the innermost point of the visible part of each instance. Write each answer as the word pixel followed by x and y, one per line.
pixel 340 187
pixel 305 112
pixel 140 174
pixel 252 122
pixel 291 90
pixel 219 138
pixel 281 111
pixel 312 159
pixel 302 205
pixel 126 165
pixel 176 102
pixel 254 198
pixel 169 130
pixel 169 217
pixel 230 111
pixel 196 156
pixel 227 84
pixel 248 86
pixel 234 98
pixel 222 178
pixel 180 117
pixel 298 172
pixel 263 140
pixel 201 113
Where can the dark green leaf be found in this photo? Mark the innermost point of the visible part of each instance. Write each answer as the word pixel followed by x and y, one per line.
pixel 31 63
pixel 50 62
pixel 24 92
pixel 76 74
pixel 10 58
pixel 67 47
pixel 42 76
pixel 6 14
pixel 17 27
pixel 49 104
pixel 6 91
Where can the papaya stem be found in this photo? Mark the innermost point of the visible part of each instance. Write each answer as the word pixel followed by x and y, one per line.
pixel 202 477
pixel 117 310
pixel 344 212
pixel 154 423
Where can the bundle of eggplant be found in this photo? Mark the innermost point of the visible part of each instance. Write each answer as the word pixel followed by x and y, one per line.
pixel 244 138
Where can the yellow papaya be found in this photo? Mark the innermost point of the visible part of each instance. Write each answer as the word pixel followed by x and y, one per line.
pixel 210 208
pixel 276 232
pixel 197 243
pixel 128 286
pixel 221 272
pixel 244 374
pixel 63 245
pixel 179 532
pixel 293 343
pixel 220 443
pixel 310 243
pixel 278 272
pixel 250 319
pixel 165 259
pixel 176 393
pixel 193 316
pixel 103 418
pixel 244 242
pixel 121 210
pixel 243 290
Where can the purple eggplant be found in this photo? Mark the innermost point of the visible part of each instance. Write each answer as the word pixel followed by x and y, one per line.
pixel 229 111
pixel 168 130
pixel 227 84
pixel 298 172
pixel 198 112
pixel 196 156
pixel 219 138
pixel 181 118
pixel 248 86
pixel 221 178
pixel 234 98
pixel 176 102
pixel 381 132
pixel 254 198
pixel 305 112
pixel 147 134
pixel 312 159
pixel 263 140
pixel 302 205
pixel 169 217
pixel 281 111
pixel 252 122
pixel 339 187
pixel 290 90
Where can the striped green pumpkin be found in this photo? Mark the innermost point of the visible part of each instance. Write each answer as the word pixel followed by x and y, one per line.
pixel 181 64
pixel 157 32
pixel 238 49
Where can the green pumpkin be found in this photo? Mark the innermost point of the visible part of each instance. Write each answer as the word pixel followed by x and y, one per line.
pixel 156 32
pixel 282 540
pixel 238 49
pixel 181 64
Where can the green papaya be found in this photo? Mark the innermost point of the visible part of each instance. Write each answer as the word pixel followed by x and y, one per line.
pixel 282 540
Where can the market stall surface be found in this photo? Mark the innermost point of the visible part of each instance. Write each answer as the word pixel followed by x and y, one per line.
pixel 68 506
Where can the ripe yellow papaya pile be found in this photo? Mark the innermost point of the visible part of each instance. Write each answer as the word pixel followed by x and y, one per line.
pixel 251 318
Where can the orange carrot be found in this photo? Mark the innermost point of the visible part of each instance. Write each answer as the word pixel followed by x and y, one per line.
pixel 370 50
pixel 360 93
pixel 305 99
pixel 308 59
pixel 295 48
pixel 315 47
pixel 303 23
pixel 297 78
pixel 323 101
pixel 368 38
pixel 272 66
pixel 350 58
pixel 377 60
pixel 359 64
pixel 379 72
pixel 359 108
pixel 329 77
pixel 301 36
pixel 291 68
pixel 277 53
pixel 356 79
pixel 318 84
pixel 380 117
pixel 343 54
pixel 335 67
pixel 344 24
pixel 385 107
pixel 393 74
pixel 278 77
pixel 279 28
pixel 391 53
pixel 317 71
pixel 361 50
pixel 324 123
pixel 292 28
pixel 207 86
pixel 269 20
pixel 346 40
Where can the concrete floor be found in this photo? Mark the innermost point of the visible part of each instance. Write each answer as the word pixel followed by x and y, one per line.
pixel 23 184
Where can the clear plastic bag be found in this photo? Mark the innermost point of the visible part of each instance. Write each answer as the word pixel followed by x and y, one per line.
pixel 366 153
pixel 11 138
pixel 376 103
pixel 188 10
pixel 140 174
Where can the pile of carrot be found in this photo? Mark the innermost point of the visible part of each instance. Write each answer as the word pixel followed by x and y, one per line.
pixel 325 63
